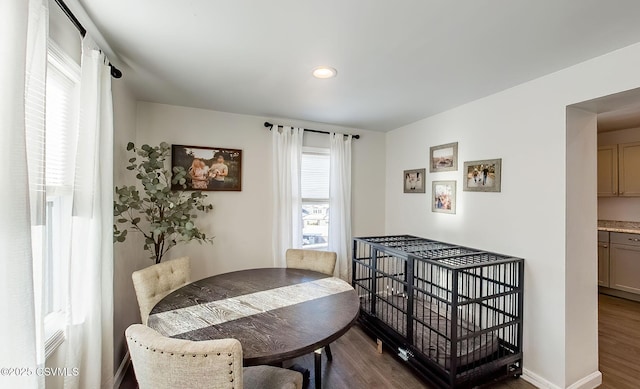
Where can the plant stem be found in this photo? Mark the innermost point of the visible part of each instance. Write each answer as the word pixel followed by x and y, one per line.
pixel 160 253
pixel 135 226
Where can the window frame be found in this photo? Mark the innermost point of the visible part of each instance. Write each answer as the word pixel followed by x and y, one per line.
pixel 58 202
pixel 319 201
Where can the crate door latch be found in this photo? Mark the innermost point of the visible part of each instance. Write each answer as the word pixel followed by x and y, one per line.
pixel 404 354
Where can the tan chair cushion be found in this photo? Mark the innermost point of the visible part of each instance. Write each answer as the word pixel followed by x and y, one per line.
pixel 269 377
pixel 156 281
pixel 320 261
pixel 165 363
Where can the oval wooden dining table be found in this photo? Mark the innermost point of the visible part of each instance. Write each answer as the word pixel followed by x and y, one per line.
pixel 276 313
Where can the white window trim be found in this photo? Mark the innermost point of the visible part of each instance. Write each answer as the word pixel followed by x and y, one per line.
pixel 62 61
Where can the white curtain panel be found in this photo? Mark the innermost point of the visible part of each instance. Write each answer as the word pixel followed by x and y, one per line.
pixel 340 202
pixel 22 33
pixel 35 102
pixel 90 305
pixel 287 202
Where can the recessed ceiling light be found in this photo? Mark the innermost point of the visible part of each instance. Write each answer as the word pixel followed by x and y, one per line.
pixel 324 72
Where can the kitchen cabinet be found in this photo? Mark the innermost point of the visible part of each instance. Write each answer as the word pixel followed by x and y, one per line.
pixel 619 170
pixel 629 169
pixel 608 170
pixel 624 262
pixel 603 258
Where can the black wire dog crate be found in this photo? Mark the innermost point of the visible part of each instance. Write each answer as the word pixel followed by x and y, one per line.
pixel 453 313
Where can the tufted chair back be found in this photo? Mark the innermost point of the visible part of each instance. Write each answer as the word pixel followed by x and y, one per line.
pixel 166 363
pixel 320 261
pixel 156 281
pixel 161 362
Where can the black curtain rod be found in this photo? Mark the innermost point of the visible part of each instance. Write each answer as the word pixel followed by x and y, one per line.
pixel 270 127
pixel 115 72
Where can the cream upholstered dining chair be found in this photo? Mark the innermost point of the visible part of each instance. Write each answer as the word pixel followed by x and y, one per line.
pixel 156 281
pixel 166 363
pixel 320 261
pixel 316 260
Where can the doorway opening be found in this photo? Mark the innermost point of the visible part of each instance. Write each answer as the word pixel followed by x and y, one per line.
pixel 618 210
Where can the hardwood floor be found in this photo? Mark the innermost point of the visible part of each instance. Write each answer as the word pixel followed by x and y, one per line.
pixel 619 342
pixel 357 365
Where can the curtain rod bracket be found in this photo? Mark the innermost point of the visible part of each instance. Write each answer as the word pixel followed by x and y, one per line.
pixel 271 125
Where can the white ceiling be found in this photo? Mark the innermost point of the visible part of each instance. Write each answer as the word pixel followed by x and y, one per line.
pixel 398 61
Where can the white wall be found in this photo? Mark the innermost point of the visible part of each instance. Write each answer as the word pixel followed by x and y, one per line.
pixel 525 220
pixel 581 270
pixel 241 221
pixel 526 127
pixel 619 208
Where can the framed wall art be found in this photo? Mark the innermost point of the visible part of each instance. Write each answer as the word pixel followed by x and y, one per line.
pixel 443 158
pixel 443 196
pixel 483 176
pixel 208 168
pixel 414 180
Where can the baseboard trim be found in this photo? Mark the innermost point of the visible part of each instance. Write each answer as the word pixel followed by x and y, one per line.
pixel 619 293
pixel 537 380
pixel 122 371
pixel 591 381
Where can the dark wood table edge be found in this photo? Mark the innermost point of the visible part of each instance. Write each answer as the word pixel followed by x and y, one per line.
pixel 279 358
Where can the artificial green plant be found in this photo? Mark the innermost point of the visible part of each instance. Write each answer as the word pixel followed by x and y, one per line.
pixel 163 216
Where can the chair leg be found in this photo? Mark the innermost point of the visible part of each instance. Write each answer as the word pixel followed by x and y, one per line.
pixel 327 349
pixel 317 355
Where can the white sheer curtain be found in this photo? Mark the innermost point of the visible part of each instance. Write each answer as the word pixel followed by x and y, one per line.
pixel 287 202
pixel 340 202
pixel 23 35
pixel 90 305
pixel 23 58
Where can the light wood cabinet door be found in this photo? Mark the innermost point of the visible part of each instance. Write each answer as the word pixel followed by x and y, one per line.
pixel 624 268
pixel 603 264
pixel 608 171
pixel 629 173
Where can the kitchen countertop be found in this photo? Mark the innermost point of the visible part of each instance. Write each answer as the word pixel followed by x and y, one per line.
pixel 619 226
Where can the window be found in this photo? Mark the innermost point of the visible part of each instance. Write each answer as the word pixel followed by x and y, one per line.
pixel 60 135
pixel 315 198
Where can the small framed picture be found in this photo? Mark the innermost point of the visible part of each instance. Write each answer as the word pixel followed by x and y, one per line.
pixel 414 180
pixel 482 176
pixel 208 168
pixel 444 158
pixel 443 197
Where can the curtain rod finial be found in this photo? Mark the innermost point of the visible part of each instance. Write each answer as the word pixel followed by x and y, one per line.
pixel 267 124
pixel 115 72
